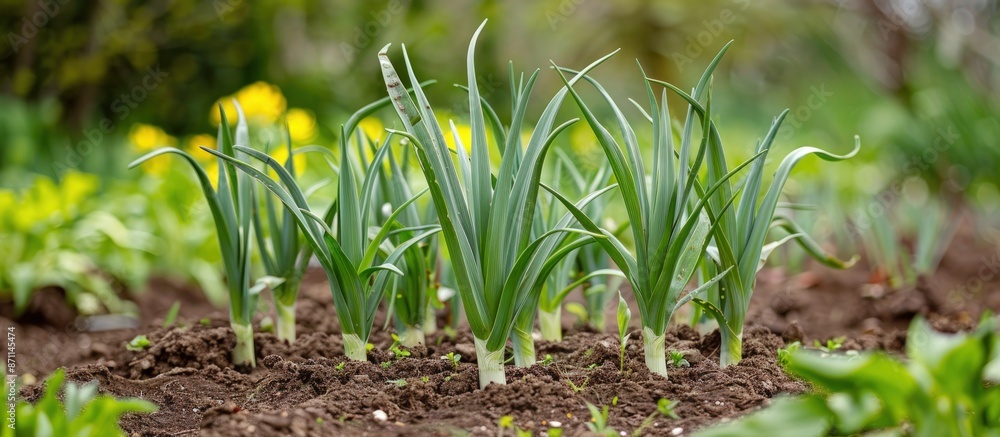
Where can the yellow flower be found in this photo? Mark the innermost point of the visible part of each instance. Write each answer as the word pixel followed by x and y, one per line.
pixel 262 103
pixel 280 154
pixel 581 140
pixel 8 201
pixel 372 128
pixel 212 170
pixel 301 125
pixel 76 187
pixel 45 201
pixel 158 166
pixel 144 138
pixel 193 147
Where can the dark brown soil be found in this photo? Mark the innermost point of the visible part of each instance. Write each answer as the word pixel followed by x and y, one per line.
pixel 309 388
pixel 823 303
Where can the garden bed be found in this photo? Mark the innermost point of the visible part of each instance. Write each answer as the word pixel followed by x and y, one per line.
pixel 305 389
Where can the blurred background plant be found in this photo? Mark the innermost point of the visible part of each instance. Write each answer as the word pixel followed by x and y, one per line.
pixel 87 86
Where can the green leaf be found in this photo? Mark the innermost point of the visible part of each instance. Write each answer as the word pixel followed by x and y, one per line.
pixel 716 313
pixel 586 278
pixel 624 317
pixel 140 342
pixel 805 416
pixel 171 317
pixel 381 267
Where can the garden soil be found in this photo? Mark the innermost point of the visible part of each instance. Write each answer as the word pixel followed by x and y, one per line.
pixel 310 389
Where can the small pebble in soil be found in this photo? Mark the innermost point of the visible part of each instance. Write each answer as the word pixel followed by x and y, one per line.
pixel 871 325
pixel 872 291
pixel 380 415
pixel 555 424
pixel 677 431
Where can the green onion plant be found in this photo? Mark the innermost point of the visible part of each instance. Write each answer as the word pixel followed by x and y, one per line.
pixel 881 242
pixel 231 202
pixel 584 260
pixel 934 232
pixel 598 291
pixel 929 223
pixel 486 224
pixel 281 253
pixel 412 301
pixel 624 318
pixel 741 220
pixel 347 255
pixel 669 222
pixel 557 284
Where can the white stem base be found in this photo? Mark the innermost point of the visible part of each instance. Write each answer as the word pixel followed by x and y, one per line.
pixel 653 348
pixel 354 347
pixel 286 322
pixel 411 336
pixel 550 323
pixel 731 351
pixel 430 319
pixel 490 365
pixel 243 352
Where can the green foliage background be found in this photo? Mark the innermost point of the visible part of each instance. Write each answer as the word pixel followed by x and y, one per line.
pixel 896 73
pixel 886 69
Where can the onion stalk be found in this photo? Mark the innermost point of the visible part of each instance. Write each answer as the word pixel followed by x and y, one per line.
pixel 564 279
pixel 231 202
pixel 410 299
pixel 281 253
pixel 348 255
pixel 668 219
pixel 742 219
pixel 498 265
